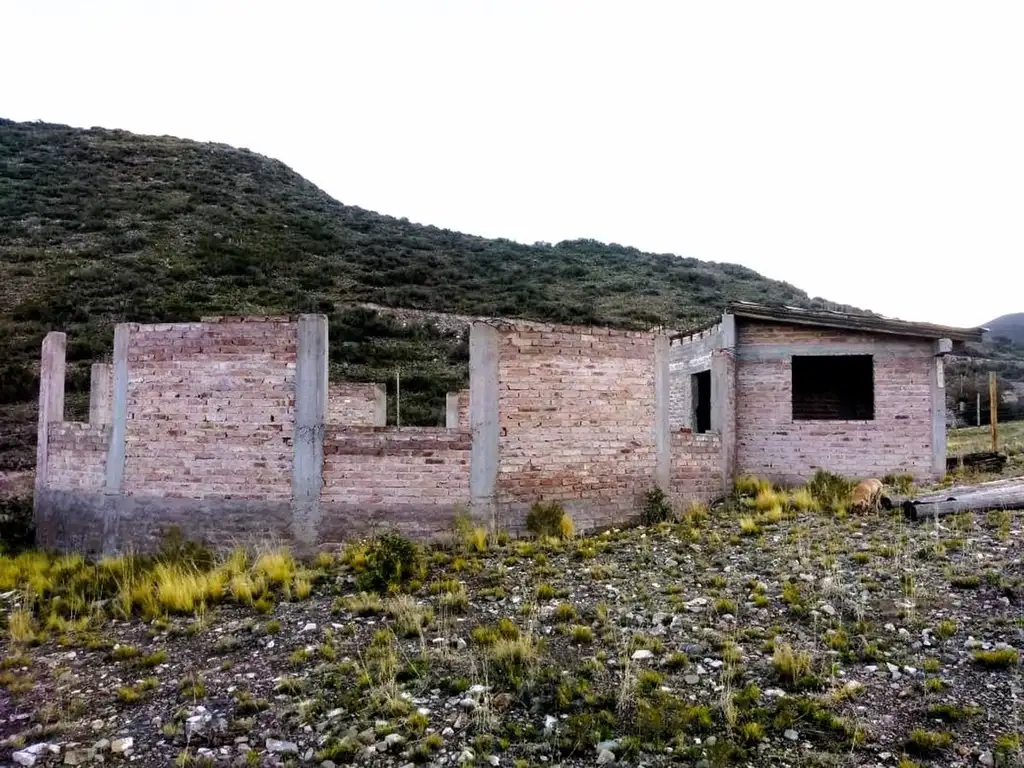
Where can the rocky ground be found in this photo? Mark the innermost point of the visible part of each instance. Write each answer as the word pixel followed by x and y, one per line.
pixel 763 632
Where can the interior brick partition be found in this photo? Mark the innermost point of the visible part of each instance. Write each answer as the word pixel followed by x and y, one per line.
pixel 576 421
pixel 78 455
pixel 688 355
pixel 210 409
pixel 696 465
pixel 414 478
pixel 770 443
pixel 355 404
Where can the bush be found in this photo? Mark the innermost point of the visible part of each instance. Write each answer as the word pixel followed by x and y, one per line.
pixel 548 518
pixel 391 561
pixel 17 524
pixel 656 507
pixel 829 489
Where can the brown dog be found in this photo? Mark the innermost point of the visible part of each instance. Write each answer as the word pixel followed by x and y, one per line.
pixel 867 495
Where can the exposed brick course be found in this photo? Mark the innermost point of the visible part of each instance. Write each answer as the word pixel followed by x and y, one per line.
pixel 576 420
pixel 770 443
pixel 78 454
pixel 352 403
pixel 387 466
pixel 696 467
pixel 687 356
pixel 210 409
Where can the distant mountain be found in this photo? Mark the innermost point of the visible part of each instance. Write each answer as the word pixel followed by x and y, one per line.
pixel 1008 327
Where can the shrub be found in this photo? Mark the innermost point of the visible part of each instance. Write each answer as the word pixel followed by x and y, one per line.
pixel 545 519
pixel 17 524
pixel 829 489
pixel 656 507
pixel 391 561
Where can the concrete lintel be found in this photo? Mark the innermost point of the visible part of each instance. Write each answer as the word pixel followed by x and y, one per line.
pixel 483 421
pixel 783 352
pixel 52 364
pixel 114 477
pixel 101 384
pixel 451 410
pixel 309 428
pixel 380 405
pixel 938 419
pixel 662 407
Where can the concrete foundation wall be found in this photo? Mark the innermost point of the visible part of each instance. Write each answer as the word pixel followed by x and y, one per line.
pixel 770 443
pixel 576 419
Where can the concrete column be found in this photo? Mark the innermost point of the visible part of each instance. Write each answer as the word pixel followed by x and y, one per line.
pixel 723 397
pixel 380 406
pixel 310 425
pixel 101 403
pixel 118 412
pixel 51 402
pixel 662 401
pixel 451 410
pixel 938 419
pixel 483 421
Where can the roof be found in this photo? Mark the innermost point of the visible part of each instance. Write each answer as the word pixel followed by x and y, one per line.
pixel 847 321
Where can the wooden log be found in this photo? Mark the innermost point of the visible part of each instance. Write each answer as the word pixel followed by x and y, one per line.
pixel 1011 497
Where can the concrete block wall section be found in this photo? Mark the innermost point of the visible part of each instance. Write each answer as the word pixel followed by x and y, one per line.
pixel 687 356
pixel 101 394
pixel 899 439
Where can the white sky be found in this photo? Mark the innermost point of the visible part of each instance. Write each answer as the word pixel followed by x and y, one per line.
pixel 868 152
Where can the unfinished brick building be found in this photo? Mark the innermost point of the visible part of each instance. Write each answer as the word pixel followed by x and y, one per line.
pixel 229 429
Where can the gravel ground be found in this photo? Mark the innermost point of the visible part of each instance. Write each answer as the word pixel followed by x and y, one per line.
pixel 807 640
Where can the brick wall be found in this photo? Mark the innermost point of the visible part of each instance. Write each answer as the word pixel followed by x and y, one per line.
pixel 770 443
pixel 687 356
pixel 413 478
pixel 352 404
pixel 210 409
pixel 576 420
pixel 463 404
pixel 696 466
pixel 77 456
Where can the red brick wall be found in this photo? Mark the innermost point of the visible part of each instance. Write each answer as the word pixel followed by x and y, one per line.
pixel 210 409
pixel 389 466
pixel 463 402
pixel 77 456
pixel 696 466
pixel 576 419
pixel 351 404
pixel 770 443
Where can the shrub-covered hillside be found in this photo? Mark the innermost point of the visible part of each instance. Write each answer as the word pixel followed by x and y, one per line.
pixel 99 226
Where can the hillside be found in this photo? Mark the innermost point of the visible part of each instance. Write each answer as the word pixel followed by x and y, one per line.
pixel 1007 327
pixel 99 226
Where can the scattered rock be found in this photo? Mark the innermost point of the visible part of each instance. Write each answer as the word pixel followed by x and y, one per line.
pixel 274 745
pixel 986 759
pixel 29 755
pixel 642 654
pixel 791 735
pixel 605 756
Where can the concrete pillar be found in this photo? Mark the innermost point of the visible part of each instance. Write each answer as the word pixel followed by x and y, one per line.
pixel 101 394
pixel 938 418
pixel 380 406
pixel 51 401
pixel 114 479
pixel 662 435
pixel 483 422
pixel 310 425
pixel 723 397
pixel 451 410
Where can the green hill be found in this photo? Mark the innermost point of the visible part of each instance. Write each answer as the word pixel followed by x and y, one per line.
pixel 100 226
pixel 1008 327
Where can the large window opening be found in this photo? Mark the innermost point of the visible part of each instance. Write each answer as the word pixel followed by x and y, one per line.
pixel 833 387
pixel 700 384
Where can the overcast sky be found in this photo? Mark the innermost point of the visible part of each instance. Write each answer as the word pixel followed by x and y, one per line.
pixel 868 152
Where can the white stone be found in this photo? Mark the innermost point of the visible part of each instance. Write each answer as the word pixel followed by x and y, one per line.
pixel 122 745
pixel 791 734
pixel 641 654
pixel 274 745
pixel 29 755
pixel 310 627
pixel 606 756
